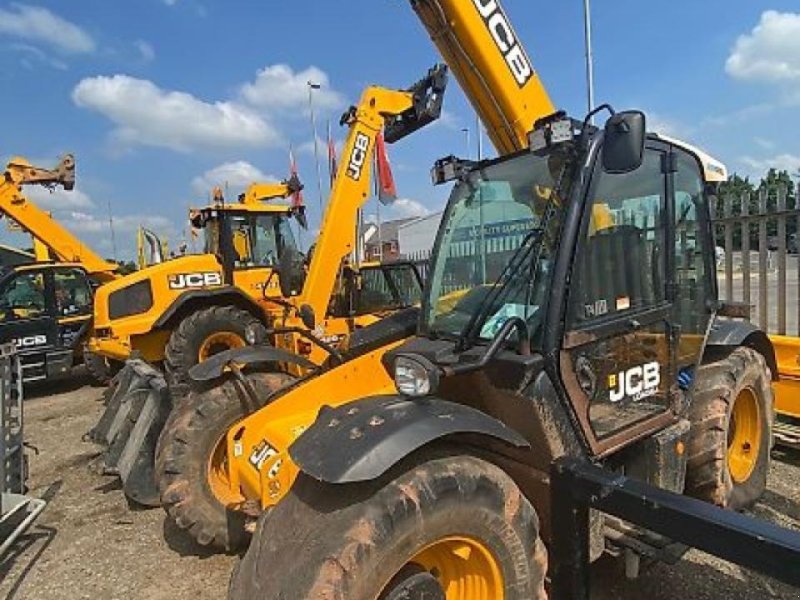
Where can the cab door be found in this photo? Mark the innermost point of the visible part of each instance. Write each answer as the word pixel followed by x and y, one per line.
pixel 73 305
pixel 26 311
pixel 617 358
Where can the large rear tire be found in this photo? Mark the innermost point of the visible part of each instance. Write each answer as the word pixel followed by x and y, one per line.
pixel 447 526
pixel 191 462
pixel 732 417
pixel 203 334
pixel 101 370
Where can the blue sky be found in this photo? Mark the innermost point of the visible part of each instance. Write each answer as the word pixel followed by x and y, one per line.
pixel 161 99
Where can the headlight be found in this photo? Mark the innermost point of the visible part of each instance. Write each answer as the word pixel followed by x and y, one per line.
pixel 132 300
pixel 415 376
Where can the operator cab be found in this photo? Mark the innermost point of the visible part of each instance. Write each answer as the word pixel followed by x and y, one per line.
pixel 589 256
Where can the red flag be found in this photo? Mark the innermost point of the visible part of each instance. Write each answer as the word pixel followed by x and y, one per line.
pixel 332 166
pixel 387 190
pixel 297 197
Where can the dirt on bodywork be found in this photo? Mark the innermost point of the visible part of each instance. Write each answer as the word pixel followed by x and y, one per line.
pixel 90 544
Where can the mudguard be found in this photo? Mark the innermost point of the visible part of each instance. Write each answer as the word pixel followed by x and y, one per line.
pixel 207 297
pixel 214 367
pixel 730 333
pixel 138 403
pixel 362 440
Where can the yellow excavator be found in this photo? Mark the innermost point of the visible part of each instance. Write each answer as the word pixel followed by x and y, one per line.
pixel 329 307
pixel 46 306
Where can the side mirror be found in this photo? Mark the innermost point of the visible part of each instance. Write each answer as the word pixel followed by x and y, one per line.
pixel 308 317
pixel 291 273
pixel 623 144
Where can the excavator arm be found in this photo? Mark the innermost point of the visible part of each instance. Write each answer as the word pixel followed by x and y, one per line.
pixel 476 40
pixel 60 243
pixel 400 113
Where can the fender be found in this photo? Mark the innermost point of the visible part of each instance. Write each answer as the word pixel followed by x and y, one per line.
pixel 214 367
pixel 728 334
pixel 362 440
pixel 202 297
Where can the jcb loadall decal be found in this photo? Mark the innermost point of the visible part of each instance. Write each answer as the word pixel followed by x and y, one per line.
pixel 636 383
pixel 358 157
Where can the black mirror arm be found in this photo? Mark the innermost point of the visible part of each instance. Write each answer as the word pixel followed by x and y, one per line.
pixel 524 346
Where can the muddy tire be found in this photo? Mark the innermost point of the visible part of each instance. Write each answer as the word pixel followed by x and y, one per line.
pixel 203 334
pixel 189 455
pixel 101 370
pixel 731 436
pixel 441 517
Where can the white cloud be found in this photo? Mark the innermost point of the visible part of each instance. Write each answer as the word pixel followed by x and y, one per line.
pixel 667 126
pixel 404 208
pixel 30 56
pixel 39 25
pixel 146 114
pixel 279 88
pixel 58 200
pixel 236 176
pixel 770 52
pixel 783 162
pixel 83 223
pixel 146 50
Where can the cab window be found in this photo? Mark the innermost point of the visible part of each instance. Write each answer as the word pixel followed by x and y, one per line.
pixel 73 293
pixel 24 297
pixel 621 261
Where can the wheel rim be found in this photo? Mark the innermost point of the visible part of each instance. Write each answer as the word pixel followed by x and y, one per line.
pixel 219 342
pixel 744 436
pixel 464 568
pixel 217 475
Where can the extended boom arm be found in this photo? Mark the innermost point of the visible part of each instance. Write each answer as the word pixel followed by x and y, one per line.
pixel 401 113
pixel 65 246
pixel 477 42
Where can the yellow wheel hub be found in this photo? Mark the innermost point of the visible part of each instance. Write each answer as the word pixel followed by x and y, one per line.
pixel 217 476
pixel 464 568
pixel 219 342
pixel 744 436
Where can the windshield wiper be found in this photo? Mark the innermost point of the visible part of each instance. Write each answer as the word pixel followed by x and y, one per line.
pixel 469 333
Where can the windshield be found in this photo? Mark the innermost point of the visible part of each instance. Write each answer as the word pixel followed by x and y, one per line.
pixel 492 227
pixel 259 240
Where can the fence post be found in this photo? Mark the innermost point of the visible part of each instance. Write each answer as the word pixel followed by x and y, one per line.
pixel 745 212
pixel 763 251
pixel 728 247
pixel 781 191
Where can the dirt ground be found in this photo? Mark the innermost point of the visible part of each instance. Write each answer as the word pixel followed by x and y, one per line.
pixel 89 544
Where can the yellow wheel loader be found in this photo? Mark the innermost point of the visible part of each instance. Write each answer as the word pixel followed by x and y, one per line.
pixel 324 304
pixel 46 307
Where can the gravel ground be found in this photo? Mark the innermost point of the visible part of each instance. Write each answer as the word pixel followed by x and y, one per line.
pixel 89 544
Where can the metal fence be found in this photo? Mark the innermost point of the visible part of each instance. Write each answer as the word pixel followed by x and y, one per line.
pixel 757 260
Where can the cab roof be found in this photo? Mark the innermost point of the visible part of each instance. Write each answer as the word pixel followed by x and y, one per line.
pixel 714 171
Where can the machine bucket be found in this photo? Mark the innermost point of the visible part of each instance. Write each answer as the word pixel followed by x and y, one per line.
pixel 138 403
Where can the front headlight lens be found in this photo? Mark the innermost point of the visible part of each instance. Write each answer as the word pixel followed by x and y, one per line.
pixel 413 377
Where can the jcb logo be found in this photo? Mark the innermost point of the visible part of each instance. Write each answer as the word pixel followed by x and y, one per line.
pixel 358 157
pixel 31 341
pixel 505 39
pixel 194 280
pixel 636 383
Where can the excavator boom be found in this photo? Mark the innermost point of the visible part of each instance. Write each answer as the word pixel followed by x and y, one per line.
pixel 61 244
pixel 477 42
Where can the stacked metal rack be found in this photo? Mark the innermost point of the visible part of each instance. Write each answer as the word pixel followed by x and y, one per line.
pixel 17 510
